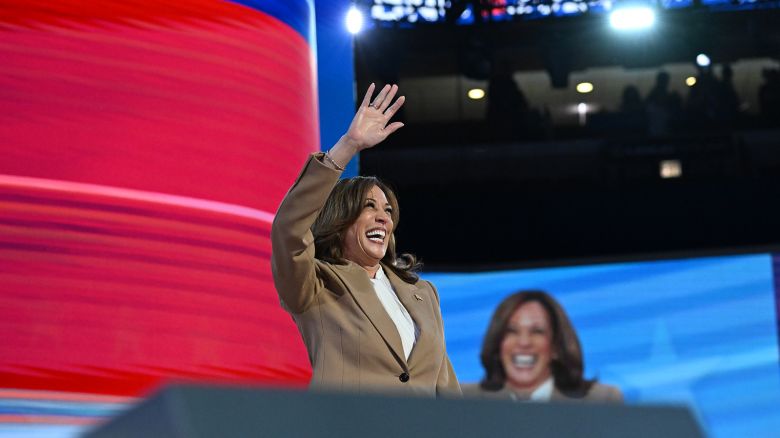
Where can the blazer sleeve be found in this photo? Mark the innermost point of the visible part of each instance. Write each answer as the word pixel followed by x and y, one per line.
pixel 614 395
pixel 446 382
pixel 603 393
pixel 292 242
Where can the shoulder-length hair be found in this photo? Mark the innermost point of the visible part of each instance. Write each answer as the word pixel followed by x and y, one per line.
pixel 341 210
pixel 566 365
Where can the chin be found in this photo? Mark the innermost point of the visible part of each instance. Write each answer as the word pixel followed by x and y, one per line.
pixel 378 259
pixel 527 380
pixel 378 255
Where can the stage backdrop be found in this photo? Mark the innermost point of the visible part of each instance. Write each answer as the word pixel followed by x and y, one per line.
pixel 702 332
pixel 144 148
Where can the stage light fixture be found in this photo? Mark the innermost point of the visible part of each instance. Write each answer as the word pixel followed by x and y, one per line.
pixel 690 81
pixel 632 18
pixel 584 87
pixel 703 60
pixel 476 93
pixel 582 113
pixel 354 20
pixel 670 169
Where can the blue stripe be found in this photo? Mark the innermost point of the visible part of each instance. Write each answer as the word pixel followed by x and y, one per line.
pixel 776 273
pixel 61 408
pixel 298 14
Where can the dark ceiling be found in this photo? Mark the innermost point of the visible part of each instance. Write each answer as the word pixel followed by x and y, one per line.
pixel 385 53
pixel 470 202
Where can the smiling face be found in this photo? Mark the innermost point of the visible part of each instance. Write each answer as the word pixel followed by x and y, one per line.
pixel 366 240
pixel 526 349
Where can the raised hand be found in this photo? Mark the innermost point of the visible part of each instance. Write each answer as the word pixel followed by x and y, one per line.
pixel 370 125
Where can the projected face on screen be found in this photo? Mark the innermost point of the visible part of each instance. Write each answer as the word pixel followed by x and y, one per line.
pixel 702 332
pixel 526 350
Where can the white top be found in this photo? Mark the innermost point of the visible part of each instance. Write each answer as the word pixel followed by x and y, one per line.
pixel 407 329
pixel 544 391
pixel 541 394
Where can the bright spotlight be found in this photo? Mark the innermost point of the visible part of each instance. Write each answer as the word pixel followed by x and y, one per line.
pixel 690 81
pixel 476 93
pixel 584 87
pixel 702 60
pixel 354 20
pixel 634 18
pixel 582 112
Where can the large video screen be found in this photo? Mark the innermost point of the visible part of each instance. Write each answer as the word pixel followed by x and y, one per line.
pixel 432 11
pixel 145 147
pixel 701 332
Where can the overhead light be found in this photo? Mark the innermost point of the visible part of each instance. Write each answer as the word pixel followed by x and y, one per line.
pixel 584 87
pixel 703 60
pixel 632 18
pixel 354 20
pixel 690 81
pixel 476 93
pixel 670 169
pixel 582 112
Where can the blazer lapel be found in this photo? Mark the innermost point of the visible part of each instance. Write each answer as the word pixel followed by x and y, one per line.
pixel 415 303
pixel 557 395
pixel 357 282
pixel 505 394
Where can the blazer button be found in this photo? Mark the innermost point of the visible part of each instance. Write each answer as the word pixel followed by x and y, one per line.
pixel 404 377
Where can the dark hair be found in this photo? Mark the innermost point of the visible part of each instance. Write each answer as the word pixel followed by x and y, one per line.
pixel 341 210
pixel 566 365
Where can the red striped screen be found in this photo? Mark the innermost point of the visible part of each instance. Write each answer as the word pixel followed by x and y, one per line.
pixel 144 148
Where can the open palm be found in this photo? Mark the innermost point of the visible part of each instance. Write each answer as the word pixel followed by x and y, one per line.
pixel 370 124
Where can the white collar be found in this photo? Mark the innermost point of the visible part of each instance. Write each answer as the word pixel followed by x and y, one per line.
pixel 380 274
pixel 541 394
pixel 544 391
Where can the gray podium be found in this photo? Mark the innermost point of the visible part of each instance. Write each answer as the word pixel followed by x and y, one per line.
pixel 194 411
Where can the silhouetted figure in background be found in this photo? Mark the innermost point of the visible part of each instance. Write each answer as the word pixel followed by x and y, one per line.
pixel 632 112
pixel 769 96
pixel 728 100
pixel 631 102
pixel 703 103
pixel 507 107
pixel 663 107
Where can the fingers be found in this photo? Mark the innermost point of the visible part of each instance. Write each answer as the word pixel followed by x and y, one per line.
pixel 391 128
pixel 380 98
pixel 388 98
pixel 395 106
pixel 367 97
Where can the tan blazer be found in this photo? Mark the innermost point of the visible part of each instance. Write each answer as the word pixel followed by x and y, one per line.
pixel 351 340
pixel 598 393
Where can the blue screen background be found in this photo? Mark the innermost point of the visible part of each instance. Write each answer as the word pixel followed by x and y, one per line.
pixel 702 332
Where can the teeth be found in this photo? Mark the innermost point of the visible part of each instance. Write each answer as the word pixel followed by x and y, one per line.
pixel 377 235
pixel 523 360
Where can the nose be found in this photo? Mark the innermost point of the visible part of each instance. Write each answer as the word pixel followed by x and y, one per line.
pixel 382 217
pixel 524 338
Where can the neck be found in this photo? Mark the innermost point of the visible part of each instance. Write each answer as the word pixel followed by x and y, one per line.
pixel 371 265
pixel 525 390
pixel 371 270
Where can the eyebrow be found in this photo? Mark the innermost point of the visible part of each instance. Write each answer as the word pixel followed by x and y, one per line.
pixel 387 204
pixel 532 324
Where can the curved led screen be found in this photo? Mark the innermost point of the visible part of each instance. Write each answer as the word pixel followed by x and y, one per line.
pixel 145 147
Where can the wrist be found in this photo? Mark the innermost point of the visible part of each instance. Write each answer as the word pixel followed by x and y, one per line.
pixel 332 162
pixel 350 145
